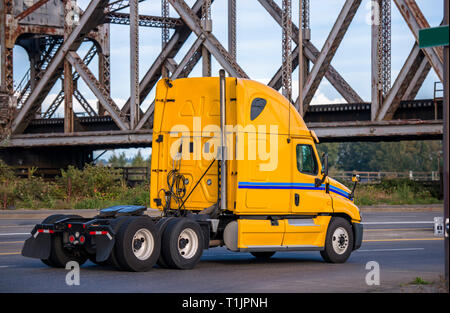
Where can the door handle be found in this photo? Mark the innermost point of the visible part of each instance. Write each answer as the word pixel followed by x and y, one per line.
pixel 297 199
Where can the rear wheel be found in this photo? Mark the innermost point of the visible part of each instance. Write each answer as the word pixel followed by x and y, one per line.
pixel 49 220
pixel 115 225
pixel 60 256
pixel 263 255
pixel 161 225
pixel 182 244
pixel 338 242
pixel 138 244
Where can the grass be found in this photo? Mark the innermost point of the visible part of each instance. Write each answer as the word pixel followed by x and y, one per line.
pixel 420 281
pixel 396 192
pixel 96 187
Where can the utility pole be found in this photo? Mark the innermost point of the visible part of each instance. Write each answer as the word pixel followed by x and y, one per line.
pixel 445 142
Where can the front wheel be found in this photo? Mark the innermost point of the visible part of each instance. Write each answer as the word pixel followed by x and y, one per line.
pixel 338 242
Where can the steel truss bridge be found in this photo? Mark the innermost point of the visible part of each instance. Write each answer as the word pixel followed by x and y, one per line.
pixel 29 134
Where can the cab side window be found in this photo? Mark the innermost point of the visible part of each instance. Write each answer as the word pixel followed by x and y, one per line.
pixel 258 105
pixel 306 159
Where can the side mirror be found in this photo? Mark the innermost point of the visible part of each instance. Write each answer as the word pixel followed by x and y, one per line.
pixel 318 182
pixel 325 164
pixel 355 179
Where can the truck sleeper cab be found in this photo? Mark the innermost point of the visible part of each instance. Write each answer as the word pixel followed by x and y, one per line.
pixel 277 195
pixel 234 165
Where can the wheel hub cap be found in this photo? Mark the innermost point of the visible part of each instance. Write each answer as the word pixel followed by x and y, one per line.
pixel 143 244
pixel 187 243
pixel 340 240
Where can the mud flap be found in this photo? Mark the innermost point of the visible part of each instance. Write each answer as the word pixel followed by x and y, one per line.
pixel 38 247
pixel 104 247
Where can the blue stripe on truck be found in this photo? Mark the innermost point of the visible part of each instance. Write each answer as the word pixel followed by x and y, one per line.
pixel 301 186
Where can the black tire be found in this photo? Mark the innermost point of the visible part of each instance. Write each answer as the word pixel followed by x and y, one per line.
pixel 128 247
pixel 49 220
pixel 92 258
pixel 115 225
pixel 161 225
pixel 263 255
pixel 59 256
pixel 338 241
pixel 176 252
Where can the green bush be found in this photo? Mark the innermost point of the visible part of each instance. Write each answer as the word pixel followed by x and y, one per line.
pixel 92 181
pixel 96 187
pixel 395 191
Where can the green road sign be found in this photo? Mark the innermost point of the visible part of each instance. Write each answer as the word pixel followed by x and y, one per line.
pixel 434 36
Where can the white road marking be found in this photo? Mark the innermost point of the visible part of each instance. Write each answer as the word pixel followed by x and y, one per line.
pixel 382 250
pixel 13 234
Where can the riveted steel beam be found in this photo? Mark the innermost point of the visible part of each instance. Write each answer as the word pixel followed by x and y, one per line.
pixel 182 70
pixel 97 89
pixel 134 64
pixel 416 21
pixel 328 51
pixel 378 130
pixel 144 20
pixel 311 52
pixel 90 17
pixel 403 81
pixel 31 9
pixel 169 51
pixel 417 80
pixel 211 43
pixel 87 138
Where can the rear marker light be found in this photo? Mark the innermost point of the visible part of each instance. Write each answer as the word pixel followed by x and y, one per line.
pixel 43 231
pixel 82 239
pixel 103 232
pixel 46 231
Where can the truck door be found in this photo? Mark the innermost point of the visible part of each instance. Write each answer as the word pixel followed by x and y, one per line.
pixel 306 197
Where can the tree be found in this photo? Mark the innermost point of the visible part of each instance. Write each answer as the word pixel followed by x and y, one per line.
pixel 138 160
pixel 118 161
pixel 384 156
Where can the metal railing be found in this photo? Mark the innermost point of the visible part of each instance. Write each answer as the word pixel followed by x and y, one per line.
pixel 375 177
pixel 131 175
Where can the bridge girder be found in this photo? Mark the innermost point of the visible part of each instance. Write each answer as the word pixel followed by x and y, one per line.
pixel 409 80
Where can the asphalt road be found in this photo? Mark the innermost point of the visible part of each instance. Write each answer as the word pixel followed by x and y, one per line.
pixel 401 243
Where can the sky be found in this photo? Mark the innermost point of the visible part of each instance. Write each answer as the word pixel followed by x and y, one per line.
pixel 258 48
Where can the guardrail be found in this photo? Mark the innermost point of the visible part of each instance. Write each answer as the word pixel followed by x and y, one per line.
pixel 131 175
pixel 374 177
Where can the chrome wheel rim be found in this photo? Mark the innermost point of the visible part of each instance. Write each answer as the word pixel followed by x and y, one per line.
pixel 143 244
pixel 187 243
pixel 340 240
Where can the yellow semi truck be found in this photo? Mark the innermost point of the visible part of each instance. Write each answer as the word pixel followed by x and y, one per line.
pixel 234 165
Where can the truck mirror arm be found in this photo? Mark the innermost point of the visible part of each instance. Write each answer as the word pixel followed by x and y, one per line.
pixel 318 182
pixel 356 179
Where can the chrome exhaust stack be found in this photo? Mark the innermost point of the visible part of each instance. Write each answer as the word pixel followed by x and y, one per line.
pixel 223 143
